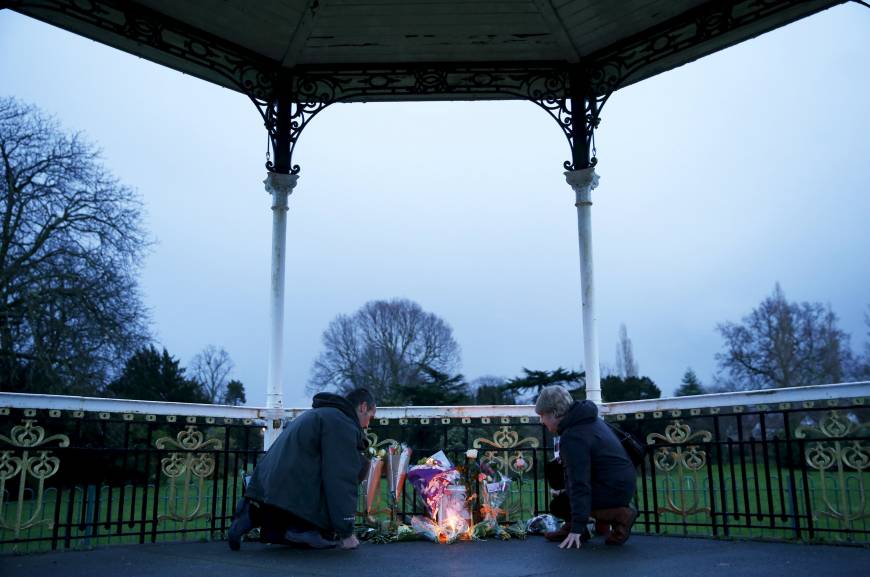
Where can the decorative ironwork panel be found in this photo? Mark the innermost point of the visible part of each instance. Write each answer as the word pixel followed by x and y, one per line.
pixel 182 465
pixel 312 90
pixel 681 462
pixel 27 438
pixel 374 443
pixel 628 61
pixel 834 457
pixel 501 458
pixel 526 81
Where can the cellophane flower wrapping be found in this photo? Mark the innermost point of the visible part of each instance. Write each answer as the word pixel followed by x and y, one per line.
pixel 406 533
pixel 398 458
pixel 431 479
pixel 454 518
pixel 542 524
pixel 494 495
pixel 373 485
pixel 425 527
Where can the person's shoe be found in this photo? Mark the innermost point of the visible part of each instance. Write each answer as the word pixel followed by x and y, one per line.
pixel 311 538
pixel 602 528
pixel 621 521
pixel 559 534
pixel 242 523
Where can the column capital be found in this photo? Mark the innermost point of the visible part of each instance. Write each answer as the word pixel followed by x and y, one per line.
pixel 582 178
pixel 280 186
pixel 277 182
pixel 583 181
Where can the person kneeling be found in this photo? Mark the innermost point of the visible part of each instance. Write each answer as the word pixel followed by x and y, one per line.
pixel 304 490
pixel 600 478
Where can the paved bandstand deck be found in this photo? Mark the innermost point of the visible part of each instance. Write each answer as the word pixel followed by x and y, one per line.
pixel 645 556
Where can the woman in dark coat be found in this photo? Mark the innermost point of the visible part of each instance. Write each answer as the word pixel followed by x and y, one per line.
pixel 600 478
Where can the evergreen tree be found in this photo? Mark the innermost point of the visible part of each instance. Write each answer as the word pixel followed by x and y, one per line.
pixel 235 393
pixel 690 385
pixel 489 390
pixel 494 395
pixel 150 375
pixel 432 388
pixel 537 380
pixel 615 389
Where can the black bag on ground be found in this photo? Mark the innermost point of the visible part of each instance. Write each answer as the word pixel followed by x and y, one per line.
pixel 635 450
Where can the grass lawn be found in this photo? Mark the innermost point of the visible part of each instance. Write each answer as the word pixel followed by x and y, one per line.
pixel 686 504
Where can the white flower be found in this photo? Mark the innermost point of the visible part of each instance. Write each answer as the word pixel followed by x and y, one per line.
pixel 471 454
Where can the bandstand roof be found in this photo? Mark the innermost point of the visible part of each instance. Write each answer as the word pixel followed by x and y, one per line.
pixel 244 45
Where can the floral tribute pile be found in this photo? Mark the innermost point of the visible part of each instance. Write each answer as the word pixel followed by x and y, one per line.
pixel 455 496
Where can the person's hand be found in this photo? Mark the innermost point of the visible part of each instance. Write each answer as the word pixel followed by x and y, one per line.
pixel 349 543
pixel 572 540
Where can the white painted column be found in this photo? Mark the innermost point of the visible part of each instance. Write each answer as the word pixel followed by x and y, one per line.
pixel 280 186
pixel 583 181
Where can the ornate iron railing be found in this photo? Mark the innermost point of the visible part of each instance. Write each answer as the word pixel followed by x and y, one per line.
pixel 79 472
pixel 787 464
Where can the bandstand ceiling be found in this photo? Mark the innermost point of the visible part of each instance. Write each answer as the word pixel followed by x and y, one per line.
pixel 618 42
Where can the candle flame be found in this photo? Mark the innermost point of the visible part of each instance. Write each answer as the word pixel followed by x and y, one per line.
pixel 454 527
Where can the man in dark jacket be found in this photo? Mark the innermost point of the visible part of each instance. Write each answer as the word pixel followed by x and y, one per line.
pixel 304 490
pixel 600 478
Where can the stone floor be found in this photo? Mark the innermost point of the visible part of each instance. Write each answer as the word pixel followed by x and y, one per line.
pixel 642 556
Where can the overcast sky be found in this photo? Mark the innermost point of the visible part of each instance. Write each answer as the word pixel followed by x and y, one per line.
pixel 718 179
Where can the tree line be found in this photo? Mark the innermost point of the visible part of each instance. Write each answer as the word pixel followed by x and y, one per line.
pixel 408 356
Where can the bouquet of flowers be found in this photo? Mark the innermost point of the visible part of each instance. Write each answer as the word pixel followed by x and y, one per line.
pixel 431 477
pixel 398 458
pixel 493 496
pixel 373 481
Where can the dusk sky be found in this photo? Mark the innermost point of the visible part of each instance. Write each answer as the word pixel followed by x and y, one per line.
pixel 718 180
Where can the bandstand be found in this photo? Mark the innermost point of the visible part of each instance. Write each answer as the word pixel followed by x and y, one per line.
pixel 294 58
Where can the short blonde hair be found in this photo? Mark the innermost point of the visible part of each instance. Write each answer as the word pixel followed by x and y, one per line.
pixel 554 399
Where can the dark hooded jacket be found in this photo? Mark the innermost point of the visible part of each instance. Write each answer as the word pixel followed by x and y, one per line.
pixel 598 472
pixel 312 468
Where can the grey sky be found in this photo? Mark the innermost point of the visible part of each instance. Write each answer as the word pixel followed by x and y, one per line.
pixel 718 179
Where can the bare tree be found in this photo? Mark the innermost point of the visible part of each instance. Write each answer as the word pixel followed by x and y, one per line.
pixel 385 345
pixel 211 368
pixel 861 367
pixel 70 248
pixel 783 344
pixel 626 366
pixel 867 328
